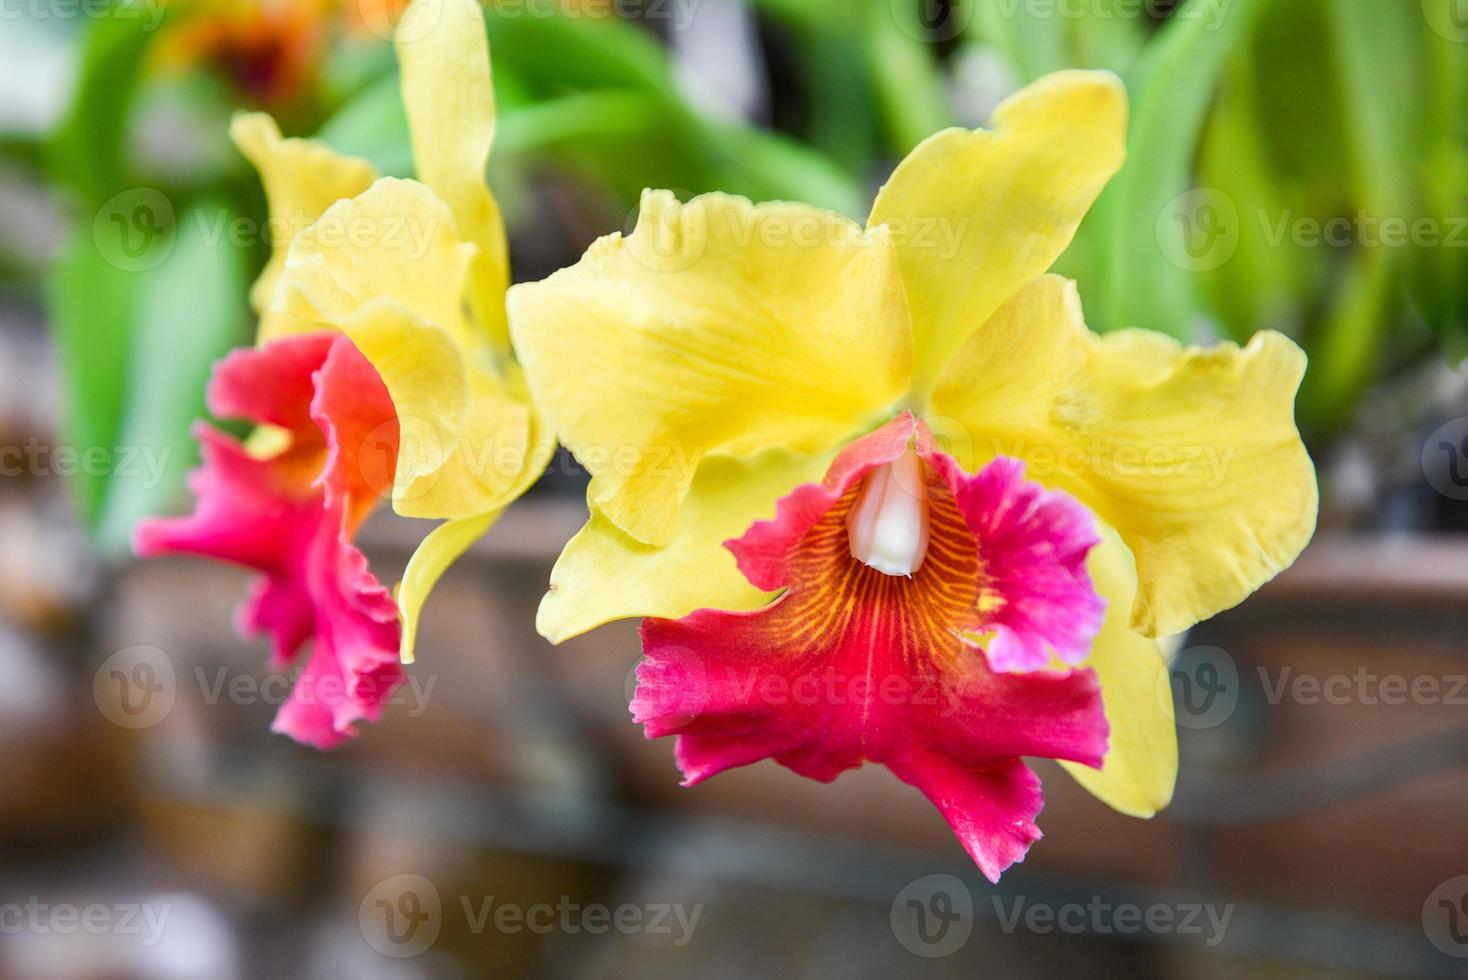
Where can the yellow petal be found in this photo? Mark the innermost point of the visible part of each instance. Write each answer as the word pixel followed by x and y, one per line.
pixel 425 376
pixel 604 575
pixel 976 213
pixel 302 179
pixel 1141 759
pixel 435 554
pixel 1191 454
pixel 467 442
pixel 394 240
pixel 717 326
pixel 491 462
pixel 443 55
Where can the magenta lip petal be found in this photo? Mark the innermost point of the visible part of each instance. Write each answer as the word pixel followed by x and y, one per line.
pixel 279 518
pixel 850 665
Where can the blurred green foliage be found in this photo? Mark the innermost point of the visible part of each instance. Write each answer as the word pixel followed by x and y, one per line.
pixel 1277 148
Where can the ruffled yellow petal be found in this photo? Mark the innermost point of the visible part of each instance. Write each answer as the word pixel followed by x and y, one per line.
pixel 424 374
pixel 494 459
pixel 1141 758
pixel 1191 454
pixel 717 326
pixel 443 55
pixel 435 554
pixel 976 213
pixel 468 433
pixel 604 575
pixel 394 240
pixel 521 466
pixel 302 179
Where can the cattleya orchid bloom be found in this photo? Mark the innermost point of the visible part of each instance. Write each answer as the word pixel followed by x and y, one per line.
pixel 881 493
pixel 382 368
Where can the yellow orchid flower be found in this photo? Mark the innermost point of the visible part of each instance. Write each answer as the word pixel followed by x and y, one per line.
pixel 393 268
pixel 721 356
pixel 382 368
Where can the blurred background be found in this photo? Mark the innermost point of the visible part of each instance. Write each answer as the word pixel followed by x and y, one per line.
pixel 1297 165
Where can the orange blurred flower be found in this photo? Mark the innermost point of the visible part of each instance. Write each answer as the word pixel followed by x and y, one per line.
pixel 270 50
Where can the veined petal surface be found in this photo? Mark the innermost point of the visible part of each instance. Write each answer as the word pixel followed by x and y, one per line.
pixel 717 326
pixel 978 213
pixel 1191 454
pixel 852 665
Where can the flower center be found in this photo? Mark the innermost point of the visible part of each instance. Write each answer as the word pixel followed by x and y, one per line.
pixel 888 524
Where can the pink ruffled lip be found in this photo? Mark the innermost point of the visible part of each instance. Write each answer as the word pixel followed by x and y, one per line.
pixel 851 664
pixel 291 517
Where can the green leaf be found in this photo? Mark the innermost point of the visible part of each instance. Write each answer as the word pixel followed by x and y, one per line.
pixel 1374 49
pixel 190 311
pixel 1375 55
pixel 768 166
pixel 909 86
pixel 88 150
pixel 1439 274
pixel 606 135
pixel 559 53
pixel 1031 40
pixel 1345 356
pixel 1262 285
pixel 835 71
pixel 1143 234
pixel 1109 34
pixel 90 305
pixel 373 126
